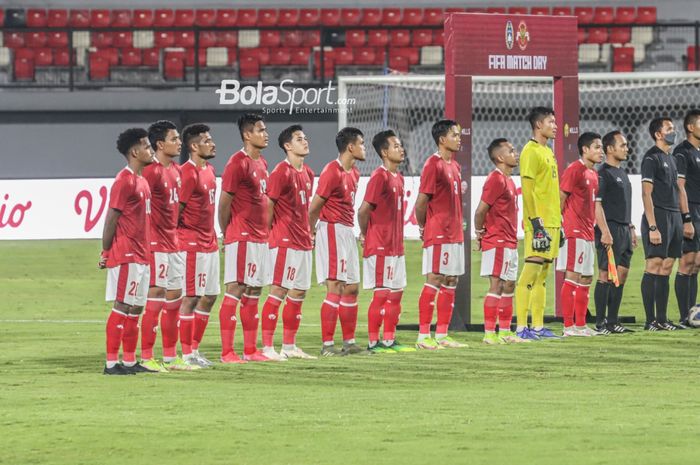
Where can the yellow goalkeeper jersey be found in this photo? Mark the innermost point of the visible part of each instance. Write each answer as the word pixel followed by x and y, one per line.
pixel 537 162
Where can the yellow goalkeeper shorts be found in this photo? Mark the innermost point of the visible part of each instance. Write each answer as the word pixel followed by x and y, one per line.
pixel 550 254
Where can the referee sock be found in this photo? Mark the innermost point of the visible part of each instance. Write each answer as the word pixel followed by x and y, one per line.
pixel 614 300
pixel 648 295
pixel 661 298
pixel 538 300
pixel 682 287
pixel 523 292
pixel 693 290
pixel 601 294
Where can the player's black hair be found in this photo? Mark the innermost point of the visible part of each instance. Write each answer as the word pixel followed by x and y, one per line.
pixel 129 138
pixel 690 119
pixel 537 114
pixel 345 137
pixel 493 146
pixel 609 139
pixel 656 125
pixel 247 121
pixel 441 128
pixel 158 130
pixel 191 132
pixel 380 141
pixel 585 140
pixel 285 136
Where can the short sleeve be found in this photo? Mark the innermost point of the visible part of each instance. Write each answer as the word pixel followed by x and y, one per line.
pixel 648 169
pixel 326 183
pixel 529 164
pixel 681 163
pixel 601 186
pixel 189 181
pixel 493 189
pixel 231 179
pixel 568 180
pixel 373 192
pixel 428 178
pixel 276 184
pixel 119 194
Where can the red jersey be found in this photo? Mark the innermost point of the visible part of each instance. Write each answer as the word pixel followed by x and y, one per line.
pixel 196 226
pixel 581 183
pixel 291 190
pixel 385 227
pixel 338 187
pixel 130 195
pixel 502 218
pixel 246 179
pixel 165 184
pixel 442 181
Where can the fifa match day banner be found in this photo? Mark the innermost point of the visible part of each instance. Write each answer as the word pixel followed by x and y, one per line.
pixel 76 208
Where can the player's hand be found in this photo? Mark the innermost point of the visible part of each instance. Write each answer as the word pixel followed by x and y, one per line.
pixel 479 236
pixel 633 236
pixel 688 230
pixel 606 239
pixel 102 263
pixel 420 232
pixel 655 237
pixel 362 240
pixel 541 240
pixel 313 238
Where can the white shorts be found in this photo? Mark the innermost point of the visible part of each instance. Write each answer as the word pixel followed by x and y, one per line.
pixel 246 262
pixel 380 271
pixel 500 262
pixel 167 269
pixel 336 253
pixel 128 284
pixel 577 256
pixel 289 268
pixel 445 259
pixel 201 274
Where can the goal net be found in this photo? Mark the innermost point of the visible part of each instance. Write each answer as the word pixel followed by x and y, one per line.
pixel 411 104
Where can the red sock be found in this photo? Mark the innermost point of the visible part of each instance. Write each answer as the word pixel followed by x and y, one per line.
pixel 249 321
pixel 392 314
pixel 149 327
pixel 201 318
pixel 375 313
pixel 329 316
pixel 227 320
pixel 426 304
pixel 168 327
pixel 581 304
pixel 186 325
pixel 491 311
pixel 445 303
pixel 114 330
pixel 568 290
pixel 347 313
pixel 130 338
pixel 291 318
pixel 505 312
pixel 270 313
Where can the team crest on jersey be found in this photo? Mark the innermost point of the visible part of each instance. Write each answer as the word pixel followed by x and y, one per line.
pixel 308 185
pixel 618 179
pixel 665 165
pixel 510 35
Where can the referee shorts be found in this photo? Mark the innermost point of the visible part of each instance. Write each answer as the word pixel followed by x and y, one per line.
pixel 693 245
pixel 622 246
pixel 670 226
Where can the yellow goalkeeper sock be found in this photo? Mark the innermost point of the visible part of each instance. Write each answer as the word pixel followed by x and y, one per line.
pixel 539 297
pixel 523 290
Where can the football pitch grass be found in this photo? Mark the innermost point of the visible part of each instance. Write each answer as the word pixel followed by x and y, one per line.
pixel 619 399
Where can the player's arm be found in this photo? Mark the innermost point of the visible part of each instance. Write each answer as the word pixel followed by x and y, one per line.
pixel 110 229
pixel 562 199
pixel 605 236
pixel 479 219
pixel 363 219
pixel 421 210
pixel 224 214
pixel 270 211
pixel 317 204
pixel 688 229
pixel 647 189
pixel 528 194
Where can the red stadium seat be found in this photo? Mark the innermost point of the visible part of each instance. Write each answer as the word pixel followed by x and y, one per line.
pixel 184 39
pixel 311 38
pixel 398 63
pixel 350 16
pixel 101 39
pixel 288 17
pixel 121 18
pixel 269 38
pixel 364 56
pixel 143 18
pixel 207 39
pixel 232 57
pixel 581 35
pixel 174 68
pixel 620 35
pixel 308 17
pixel 692 63
pixel 79 18
pixel 355 38
pixel 61 57
pixel 646 15
pixel 400 37
pixel 227 39
pixel 162 39
pixel 151 57
pixel 184 18
pixel 330 17
pixel 109 54
pixel 300 56
pixel 517 10
pixel 623 59
pixel 249 68
pixel 204 18
pixel 124 39
pixel 263 54
pixel 584 14
pixel 561 11
pixel 190 57
pixel 377 37
pixel 226 18
pixel 597 35
pixel 43 57
pixel 100 18
pixel 27 53
pixel 280 56
pixel 344 56
pixel 131 57
pixel 391 16
pixel 439 37
pixel 540 10
pixel 247 18
pixel 412 17
pixel 35 39
pixel 411 54
pixel 603 15
pixel 37 18
pixel 13 39
pixel 99 67
pixel 625 14
pixel 267 17
pixel 163 18
pixel 2 16
pixel 371 17
pixel 292 38
pixel 57 18
pixel 422 37
pixel 433 16
pixel 24 69
pixel 496 9
pixel 57 39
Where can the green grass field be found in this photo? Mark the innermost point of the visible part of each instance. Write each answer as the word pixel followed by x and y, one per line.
pixel 618 399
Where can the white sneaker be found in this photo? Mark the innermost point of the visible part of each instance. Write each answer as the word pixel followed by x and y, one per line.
pixel 270 353
pixel 194 362
pixel 586 331
pixel 202 359
pixel 296 352
pixel 570 332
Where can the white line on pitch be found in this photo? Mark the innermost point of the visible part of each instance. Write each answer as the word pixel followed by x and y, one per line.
pixel 68 322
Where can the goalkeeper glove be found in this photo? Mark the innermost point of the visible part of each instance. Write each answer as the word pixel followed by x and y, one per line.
pixel 562 238
pixel 541 240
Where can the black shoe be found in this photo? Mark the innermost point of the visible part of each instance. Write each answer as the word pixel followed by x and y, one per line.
pixel 654 326
pixel 602 330
pixel 138 368
pixel 667 326
pixel 117 369
pixel 617 328
pixel 683 324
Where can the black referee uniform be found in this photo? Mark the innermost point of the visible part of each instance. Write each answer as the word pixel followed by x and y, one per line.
pixel 615 196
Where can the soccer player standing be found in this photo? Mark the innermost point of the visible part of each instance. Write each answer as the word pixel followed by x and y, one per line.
pixel 243 218
pixel 337 261
pixel 289 268
pixel 381 218
pixel 439 215
pixel 687 155
pixel 125 250
pixel 662 225
pixel 578 191
pixel 198 241
pixel 542 221
pixel 614 229
pixel 495 222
